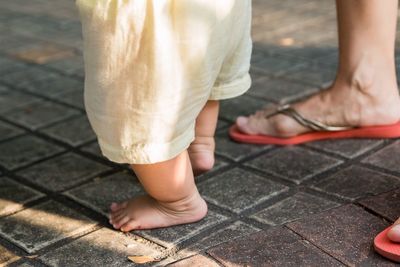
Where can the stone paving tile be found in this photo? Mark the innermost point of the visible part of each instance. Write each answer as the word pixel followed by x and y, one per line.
pixel 228 233
pixel 346 233
pixel 75 131
pixel 279 90
pixel 24 150
pixel 386 158
pixel 42 82
pixel 62 172
pixel 42 225
pixel 298 206
pixel 243 105
pixel 14 196
pixel 8 65
pixel 222 124
pixel 233 150
pixel 39 114
pixel 42 53
pixel 195 261
pixel 238 190
pixel 274 247
pixel 276 64
pixel 100 193
pixel 93 148
pixel 312 74
pixel 386 204
pixel 8 131
pixel 74 98
pixel 348 148
pixel 103 247
pixel 355 182
pixel 6 256
pixel 10 99
pixel 294 163
pixel 69 66
pixel 173 236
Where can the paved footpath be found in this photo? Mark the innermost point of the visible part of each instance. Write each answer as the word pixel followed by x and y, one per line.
pixel 318 204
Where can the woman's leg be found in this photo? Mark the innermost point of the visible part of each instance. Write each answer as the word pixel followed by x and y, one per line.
pixel 365 91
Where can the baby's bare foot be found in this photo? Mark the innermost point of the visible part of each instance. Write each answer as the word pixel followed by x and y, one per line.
pixel 145 212
pixel 394 232
pixel 201 153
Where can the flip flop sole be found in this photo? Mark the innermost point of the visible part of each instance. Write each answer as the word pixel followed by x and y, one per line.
pixel 381 132
pixel 385 247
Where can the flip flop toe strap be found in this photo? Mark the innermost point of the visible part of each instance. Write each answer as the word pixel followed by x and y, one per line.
pixel 312 124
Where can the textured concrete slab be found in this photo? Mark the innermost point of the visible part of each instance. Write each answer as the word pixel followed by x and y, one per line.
pixel 386 204
pixel 295 164
pixel 13 196
pixel 24 150
pixel 10 99
pixel 243 105
pixel 43 225
pixel 6 256
pixel 355 182
pixel 75 131
pixel 294 207
pixel 238 190
pixel 63 172
pixel 103 247
pixel 387 158
pixel 275 247
pixel 195 261
pixel 9 131
pixel 346 233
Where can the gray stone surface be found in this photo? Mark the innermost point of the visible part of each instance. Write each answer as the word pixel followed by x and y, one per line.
pixel 386 204
pixel 294 207
pixel 103 247
pixel 9 66
pixel 75 131
pixel 294 163
pixel 172 236
pixel 24 150
pixel 228 233
pixel 276 64
pixel 275 247
pixel 386 158
pixel 6 256
pixel 348 148
pixel 355 182
pixel 63 172
pixel 233 150
pixel 8 131
pixel 280 90
pixel 93 148
pixel 43 225
pixel 70 66
pixel 101 192
pixel 195 261
pixel 10 99
pixel 346 232
pixel 74 98
pixel 39 114
pixel 313 74
pixel 14 196
pixel 238 190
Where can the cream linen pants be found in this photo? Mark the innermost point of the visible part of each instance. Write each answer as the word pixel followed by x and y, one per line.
pixel 151 66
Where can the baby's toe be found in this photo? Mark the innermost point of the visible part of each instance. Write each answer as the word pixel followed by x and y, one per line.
pixel 130 225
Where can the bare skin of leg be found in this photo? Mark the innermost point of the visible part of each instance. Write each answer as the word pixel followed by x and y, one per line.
pixel 201 151
pixel 365 91
pixel 172 197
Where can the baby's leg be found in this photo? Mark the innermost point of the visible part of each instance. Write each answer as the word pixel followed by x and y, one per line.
pixel 173 197
pixel 201 150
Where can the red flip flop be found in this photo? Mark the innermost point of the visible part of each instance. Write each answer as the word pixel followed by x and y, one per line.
pixel 387 248
pixel 320 131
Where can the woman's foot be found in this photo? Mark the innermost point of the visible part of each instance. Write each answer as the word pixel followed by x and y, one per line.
pixel 145 212
pixel 394 232
pixel 367 99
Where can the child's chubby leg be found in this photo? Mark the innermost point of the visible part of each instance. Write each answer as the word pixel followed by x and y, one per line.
pixel 201 150
pixel 173 197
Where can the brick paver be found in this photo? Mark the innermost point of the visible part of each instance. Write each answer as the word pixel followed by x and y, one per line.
pixel 318 204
